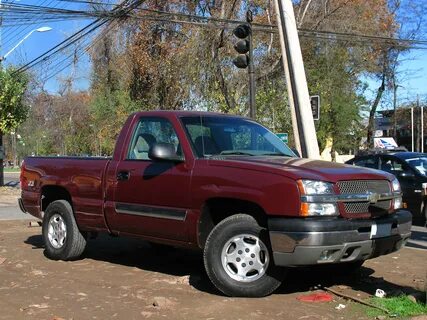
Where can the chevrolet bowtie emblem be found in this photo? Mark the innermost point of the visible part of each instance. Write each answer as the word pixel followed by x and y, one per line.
pixel 373 197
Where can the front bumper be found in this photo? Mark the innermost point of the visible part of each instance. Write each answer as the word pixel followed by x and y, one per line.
pixel 313 241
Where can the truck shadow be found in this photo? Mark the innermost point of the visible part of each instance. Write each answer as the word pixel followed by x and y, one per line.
pixel 418 239
pixel 178 262
pixel 362 281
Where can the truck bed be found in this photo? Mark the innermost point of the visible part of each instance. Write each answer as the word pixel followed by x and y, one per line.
pixel 83 177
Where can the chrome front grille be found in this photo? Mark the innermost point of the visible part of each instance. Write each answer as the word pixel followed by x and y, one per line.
pixel 365 187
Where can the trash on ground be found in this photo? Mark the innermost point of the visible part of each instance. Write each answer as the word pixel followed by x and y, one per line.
pixel 316 297
pixel 340 306
pixel 380 293
pixel 32 224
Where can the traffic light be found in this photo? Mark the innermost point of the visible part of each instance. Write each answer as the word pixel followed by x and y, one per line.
pixel 315 106
pixel 242 32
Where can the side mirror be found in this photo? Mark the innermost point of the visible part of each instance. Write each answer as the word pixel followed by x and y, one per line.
pixel 164 152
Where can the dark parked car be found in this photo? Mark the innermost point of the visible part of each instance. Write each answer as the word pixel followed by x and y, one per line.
pixel 410 168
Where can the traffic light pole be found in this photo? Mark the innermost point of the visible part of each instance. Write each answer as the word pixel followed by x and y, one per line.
pixel 251 71
pixel 296 81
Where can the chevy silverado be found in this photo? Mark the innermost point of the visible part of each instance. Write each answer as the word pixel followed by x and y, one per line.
pixel 222 184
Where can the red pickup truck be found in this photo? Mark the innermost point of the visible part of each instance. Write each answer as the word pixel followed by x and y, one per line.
pixel 222 184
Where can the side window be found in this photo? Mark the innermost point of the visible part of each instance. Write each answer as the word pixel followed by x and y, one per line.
pixel 367 162
pixel 395 167
pixel 148 132
pixel 388 165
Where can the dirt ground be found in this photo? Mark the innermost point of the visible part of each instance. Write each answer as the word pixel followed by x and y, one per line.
pixel 119 278
pixel 9 196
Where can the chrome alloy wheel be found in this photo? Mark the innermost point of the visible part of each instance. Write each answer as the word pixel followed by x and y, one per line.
pixel 57 231
pixel 245 258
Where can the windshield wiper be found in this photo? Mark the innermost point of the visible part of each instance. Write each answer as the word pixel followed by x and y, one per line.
pixel 274 154
pixel 236 152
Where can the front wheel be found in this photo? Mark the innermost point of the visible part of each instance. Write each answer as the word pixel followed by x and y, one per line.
pixel 62 237
pixel 238 260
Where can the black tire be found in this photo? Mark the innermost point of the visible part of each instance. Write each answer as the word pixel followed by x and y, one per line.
pixel 73 244
pixel 263 283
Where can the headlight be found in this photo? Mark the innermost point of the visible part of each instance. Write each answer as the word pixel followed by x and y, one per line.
pixel 397 202
pixel 395 185
pixel 311 187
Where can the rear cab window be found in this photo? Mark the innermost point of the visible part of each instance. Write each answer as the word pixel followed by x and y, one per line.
pixel 367 162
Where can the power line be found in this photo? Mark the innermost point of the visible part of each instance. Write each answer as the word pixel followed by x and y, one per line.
pixel 121 9
pixel 168 17
pixel 258 26
pixel 24 29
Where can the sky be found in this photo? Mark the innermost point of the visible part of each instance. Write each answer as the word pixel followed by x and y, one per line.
pixel 413 67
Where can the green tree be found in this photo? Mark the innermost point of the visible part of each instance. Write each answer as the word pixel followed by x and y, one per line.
pixel 13 110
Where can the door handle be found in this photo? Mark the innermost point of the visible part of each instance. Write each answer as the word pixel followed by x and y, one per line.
pixel 123 175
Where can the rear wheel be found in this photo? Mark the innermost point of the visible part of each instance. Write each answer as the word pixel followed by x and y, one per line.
pixel 63 239
pixel 238 260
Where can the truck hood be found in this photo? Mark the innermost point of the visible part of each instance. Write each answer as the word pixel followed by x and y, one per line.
pixel 298 168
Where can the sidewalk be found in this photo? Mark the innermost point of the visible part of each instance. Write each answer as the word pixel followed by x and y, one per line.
pixel 9 209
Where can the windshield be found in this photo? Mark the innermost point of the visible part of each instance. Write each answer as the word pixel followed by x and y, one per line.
pixel 419 164
pixel 216 135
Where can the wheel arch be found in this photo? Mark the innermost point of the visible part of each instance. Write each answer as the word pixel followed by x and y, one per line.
pixel 51 193
pixel 214 210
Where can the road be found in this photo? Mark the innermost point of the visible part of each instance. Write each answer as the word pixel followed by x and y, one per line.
pixel 11 179
pixel 9 209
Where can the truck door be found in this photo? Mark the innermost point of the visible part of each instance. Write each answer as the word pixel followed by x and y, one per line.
pixel 151 198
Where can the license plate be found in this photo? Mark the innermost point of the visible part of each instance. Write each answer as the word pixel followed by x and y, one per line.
pixel 380 230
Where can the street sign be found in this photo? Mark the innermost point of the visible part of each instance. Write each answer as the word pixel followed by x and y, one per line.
pixel 283 137
pixel 315 106
pixel 385 143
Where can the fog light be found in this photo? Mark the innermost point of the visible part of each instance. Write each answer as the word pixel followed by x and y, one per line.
pixel 322 209
pixel 318 209
pixel 326 255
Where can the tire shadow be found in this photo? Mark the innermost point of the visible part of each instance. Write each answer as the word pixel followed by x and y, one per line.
pixel 131 252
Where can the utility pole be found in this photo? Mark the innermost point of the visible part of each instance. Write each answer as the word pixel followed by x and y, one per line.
pixel 1 133
pixel 422 123
pixel 412 128
pixel 394 108
pixel 296 82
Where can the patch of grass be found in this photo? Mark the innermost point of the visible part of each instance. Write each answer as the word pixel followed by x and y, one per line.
pixel 12 169
pixel 400 306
